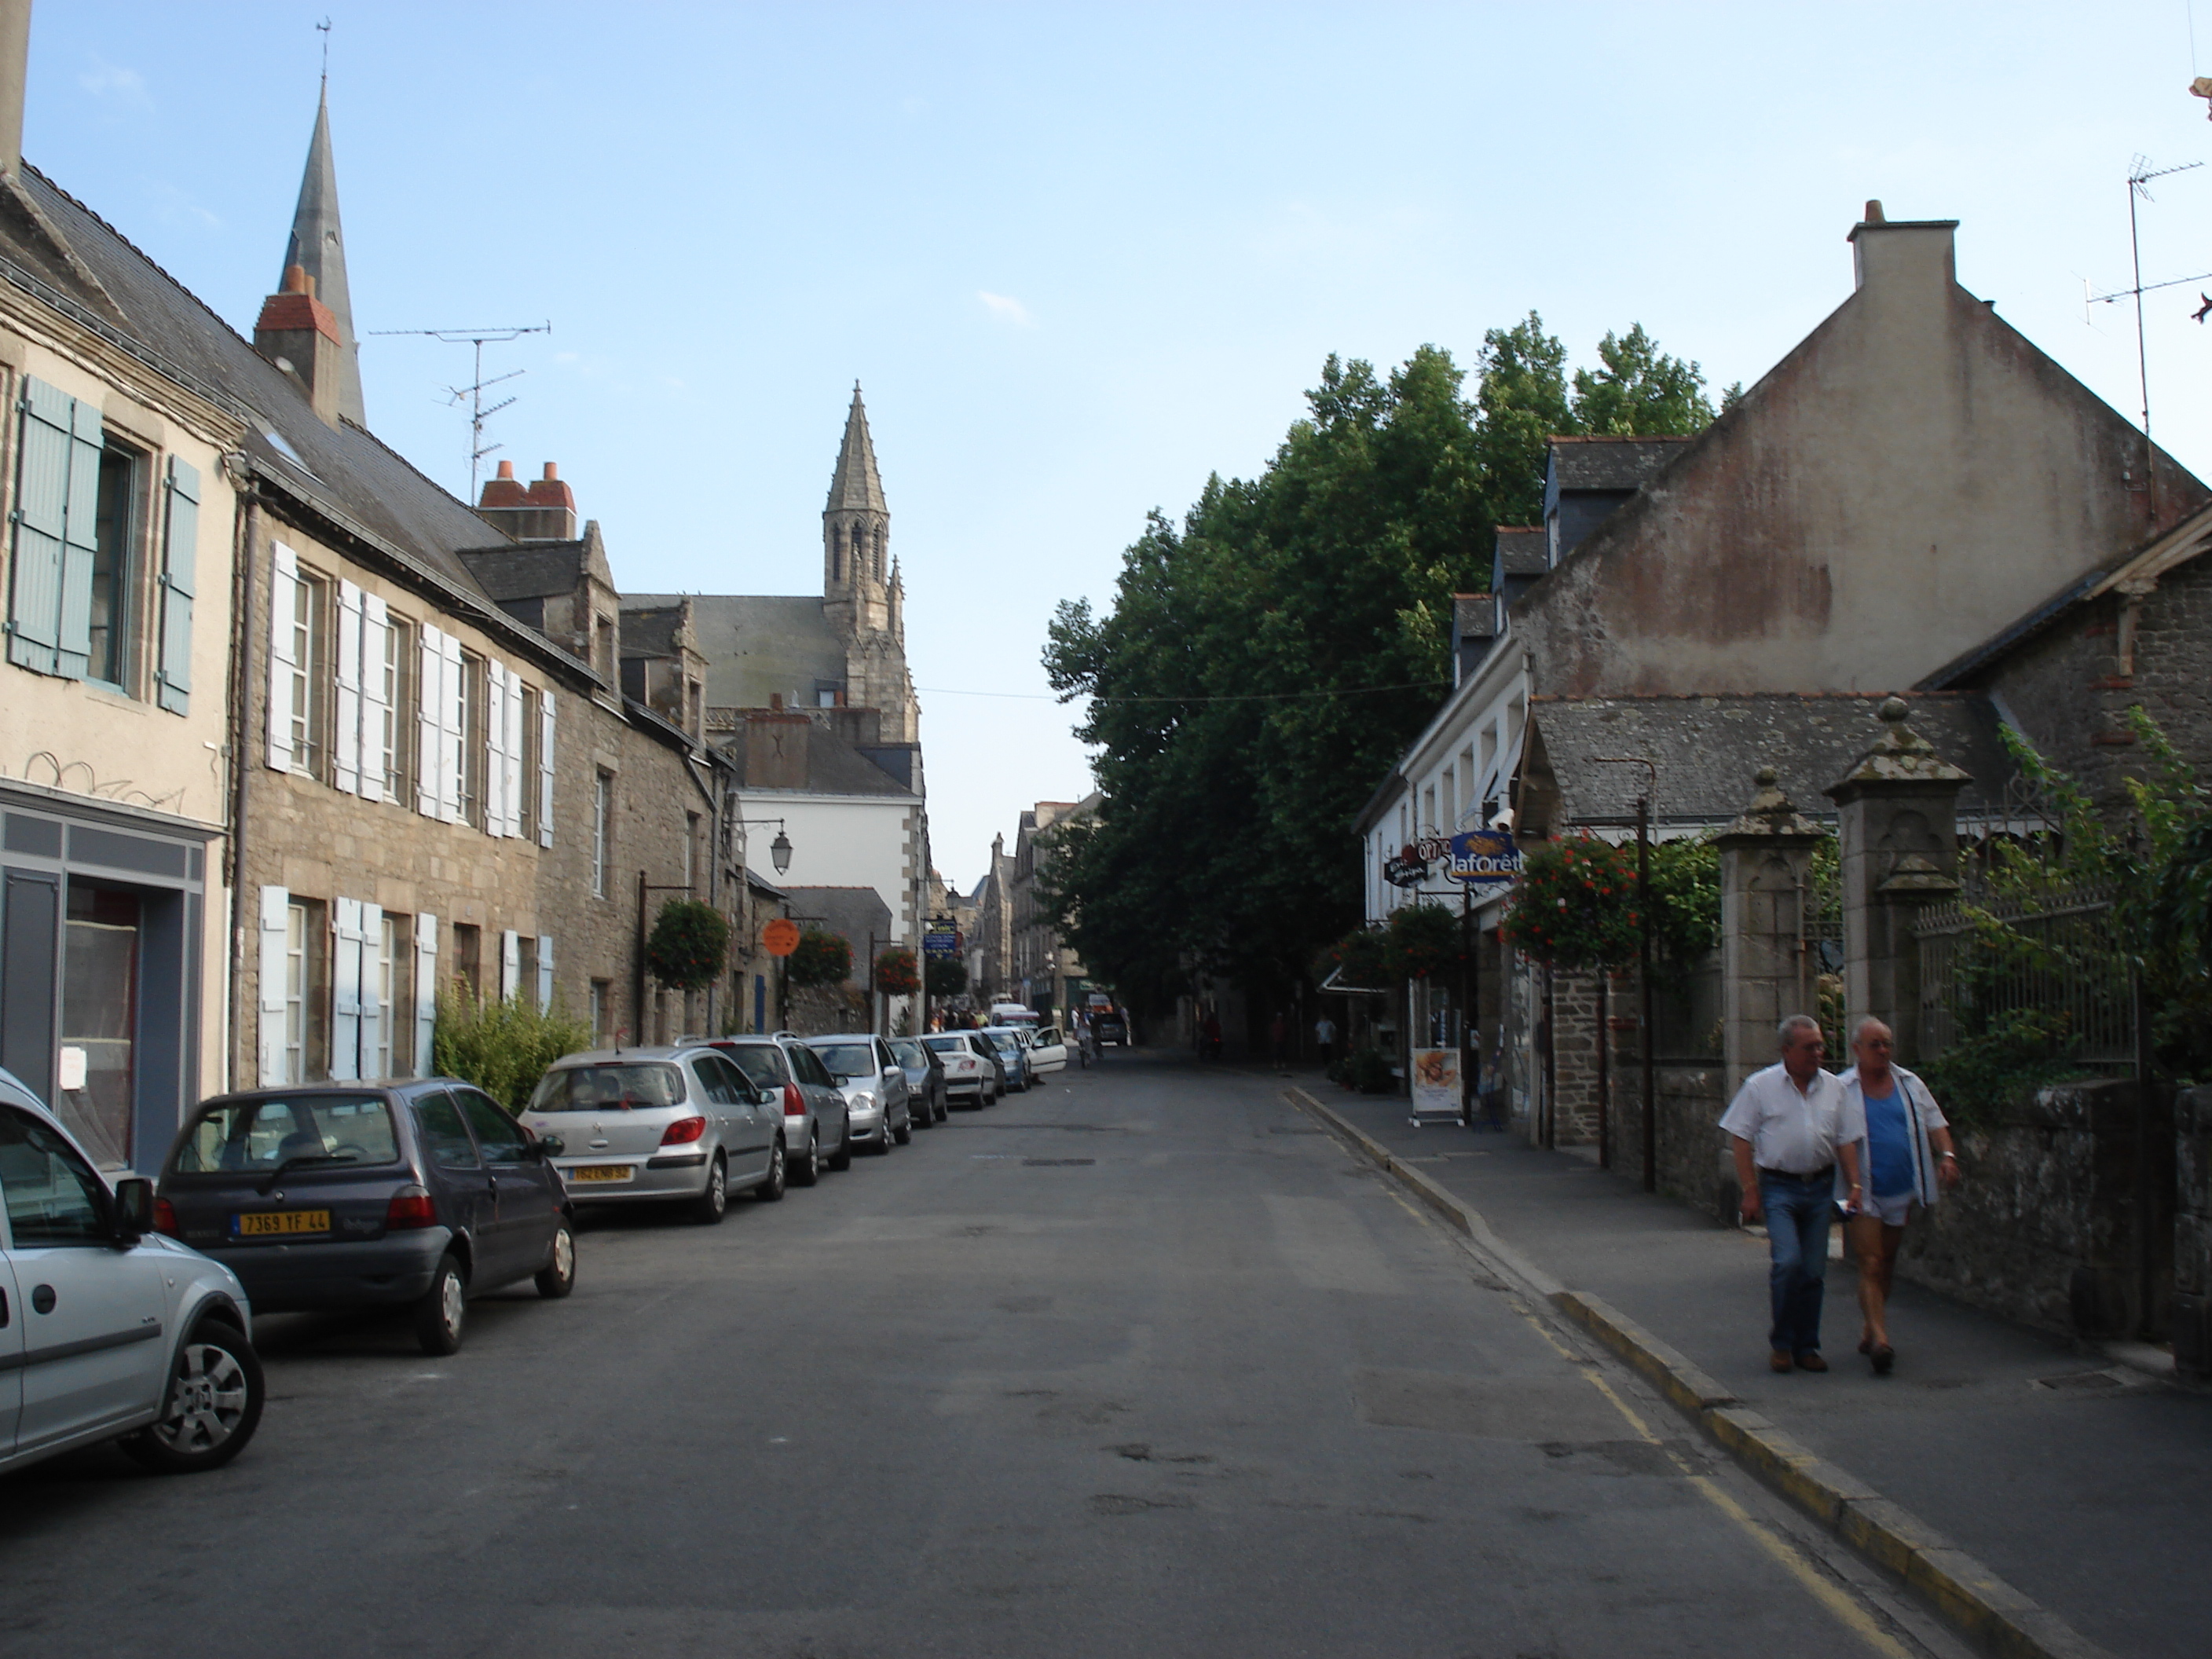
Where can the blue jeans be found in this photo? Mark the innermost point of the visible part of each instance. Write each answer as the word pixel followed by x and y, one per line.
pixel 1798 1208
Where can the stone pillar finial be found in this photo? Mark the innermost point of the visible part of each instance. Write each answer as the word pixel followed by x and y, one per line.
pixel 1765 854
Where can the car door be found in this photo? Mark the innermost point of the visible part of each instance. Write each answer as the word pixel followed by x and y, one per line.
pixel 715 1097
pixel 751 1132
pixel 893 1080
pixel 90 1307
pixel 468 1198
pixel 11 1348
pixel 829 1108
pixel 523 1203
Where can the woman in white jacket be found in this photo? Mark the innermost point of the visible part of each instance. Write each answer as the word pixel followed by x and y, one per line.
pixel 1907 1162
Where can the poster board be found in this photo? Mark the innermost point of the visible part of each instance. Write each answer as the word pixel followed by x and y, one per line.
pixel 1435 1085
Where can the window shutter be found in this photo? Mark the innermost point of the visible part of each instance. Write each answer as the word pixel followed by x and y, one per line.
pixel 172 675
pixel 346 741
pixel 275 903
pixel 375 707
pixel 545 973
pixel 511 791
pixel 373 1011
pixel 452 715
pixel 283 577
pixel 345 992
pixel 546 769
pixel 425 993
pixel 510 965
pixel 495 772
pixel 34 607
pixel 429 722
pixel 79 541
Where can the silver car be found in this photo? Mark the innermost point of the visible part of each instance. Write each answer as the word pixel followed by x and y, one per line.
pixel 874 1086
pixel 108 1330
pixel 817 1129
pixel 678 1125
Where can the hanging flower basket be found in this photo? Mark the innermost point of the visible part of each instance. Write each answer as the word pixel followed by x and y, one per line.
pixel 690 943
pixel 1360 960
pixel 897 974
pixel 820 958
pixel 1576 905
pixel 1423 939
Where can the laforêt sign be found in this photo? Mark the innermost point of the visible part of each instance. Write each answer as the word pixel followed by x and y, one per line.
pixel 1480 858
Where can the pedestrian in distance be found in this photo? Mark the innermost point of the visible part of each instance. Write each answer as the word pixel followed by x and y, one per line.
pixel 1279 1038
pixel 1325 1038
pixel 1790 1126
pixel 1909 1163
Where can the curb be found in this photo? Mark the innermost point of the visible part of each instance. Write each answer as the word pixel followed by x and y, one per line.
pixel 1992 1614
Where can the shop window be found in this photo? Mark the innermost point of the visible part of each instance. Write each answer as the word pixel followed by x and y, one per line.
pixel 100 1020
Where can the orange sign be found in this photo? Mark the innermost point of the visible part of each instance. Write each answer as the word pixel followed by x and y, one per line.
pixel 780 937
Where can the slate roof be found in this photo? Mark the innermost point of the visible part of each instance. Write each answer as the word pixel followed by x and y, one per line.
pixel 834 767
pixel 853 914
pixel 1521 551
pixel 855 484
pixel 1608 462
pixel 758 644
pixel 651 631
pixel 1708 749
pixel 540 570
pixel 1474 616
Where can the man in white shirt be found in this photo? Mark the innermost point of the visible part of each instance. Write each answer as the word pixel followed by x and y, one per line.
pixel 1790 1125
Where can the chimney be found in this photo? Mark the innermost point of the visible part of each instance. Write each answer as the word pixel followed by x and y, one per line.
pixel 298 334
pixel 543 511
pixel 15 60
pixel 1903 253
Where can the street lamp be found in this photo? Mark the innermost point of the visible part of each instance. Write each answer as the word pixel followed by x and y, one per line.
pixel 778 850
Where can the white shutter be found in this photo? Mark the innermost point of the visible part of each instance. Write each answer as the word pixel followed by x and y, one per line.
pixel 276 904
pixel 510 965
pixel 283 577
pixel 495 771
pixel 544 973
pixel 345 740
pixel 376 633
pixel 511 790
pixel 426 991
pixel 429 722
pixel 345 991
pixel 373 1010
pixel 453 737
pixel 545 768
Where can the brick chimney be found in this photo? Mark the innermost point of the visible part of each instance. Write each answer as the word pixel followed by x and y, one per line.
pixel 298 334
pixel 545 510
pixel 1906 256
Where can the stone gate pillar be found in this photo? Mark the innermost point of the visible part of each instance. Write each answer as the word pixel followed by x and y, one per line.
pixel 1764 857
pixel 1898 841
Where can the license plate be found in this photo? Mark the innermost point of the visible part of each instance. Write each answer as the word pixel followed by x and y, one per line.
pixel 269 1223
pixel 600 1172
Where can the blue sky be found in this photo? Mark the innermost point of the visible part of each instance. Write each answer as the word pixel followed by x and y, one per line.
pixel 1080 257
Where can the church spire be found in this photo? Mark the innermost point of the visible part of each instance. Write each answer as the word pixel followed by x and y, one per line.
pixel 856 486
pixel 317 247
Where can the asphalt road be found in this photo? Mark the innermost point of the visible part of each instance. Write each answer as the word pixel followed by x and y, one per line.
pixel 1139 1362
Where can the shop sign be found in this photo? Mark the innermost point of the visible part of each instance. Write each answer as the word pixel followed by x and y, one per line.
pixel 941 942
pixel 1483 858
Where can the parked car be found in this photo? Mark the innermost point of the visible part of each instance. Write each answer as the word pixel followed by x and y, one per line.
pixel 1110 1025
pixel 1013 1053
pixel 973 1070
pixel 109 1331
pixel 350 1195
pixel 812 1107
pixel 874 1086
pixel 675 1125
pixel 1047 1050
pixel 925 1079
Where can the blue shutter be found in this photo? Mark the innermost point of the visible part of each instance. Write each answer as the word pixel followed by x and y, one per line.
pixel 174 678
pixel 80 543
pixel 34 605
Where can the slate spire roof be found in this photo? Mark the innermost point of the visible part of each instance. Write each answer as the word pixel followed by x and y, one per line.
pixel 317 246
pixel 856 485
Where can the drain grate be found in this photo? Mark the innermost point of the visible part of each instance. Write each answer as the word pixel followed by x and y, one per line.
pixel 1055 1163
pixel 2080 1382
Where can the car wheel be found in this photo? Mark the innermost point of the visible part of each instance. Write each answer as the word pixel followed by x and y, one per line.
pixel 213 1406
pixel 808 1170
pixel 708 1209
pixel 443 1308
pixel 558 1277
pixel 842 1158
pixel 943 1106
pixel 771 1189
pixel 904 1132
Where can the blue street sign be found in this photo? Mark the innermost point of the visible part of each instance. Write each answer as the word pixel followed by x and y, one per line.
pixel 941 942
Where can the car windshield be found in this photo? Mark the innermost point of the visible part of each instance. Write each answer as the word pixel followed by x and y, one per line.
pixel 947 1045
pixel 618 1087
pixel 909 1052
pixel 1004 1042
pixel 262 1134
pixel 761 1065
pixel 847 1058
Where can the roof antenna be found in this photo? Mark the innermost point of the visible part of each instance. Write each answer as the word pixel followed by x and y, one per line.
pixel 472 394
pixel 323 28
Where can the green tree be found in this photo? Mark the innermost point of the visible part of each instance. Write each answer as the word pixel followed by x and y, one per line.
pixel 1639 390
pixel 1522 394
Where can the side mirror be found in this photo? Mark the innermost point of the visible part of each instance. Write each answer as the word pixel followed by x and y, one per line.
pixel 767 1096
pixel 550 1146
pixel 134 1208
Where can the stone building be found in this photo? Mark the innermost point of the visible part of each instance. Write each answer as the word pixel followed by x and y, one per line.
pixel 1044 972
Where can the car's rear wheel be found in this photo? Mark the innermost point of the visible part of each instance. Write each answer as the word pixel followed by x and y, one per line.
pixel 943 1106
pixel 842 1158
pixel 771 1187
pixel 808 1170
pixel 558 1276
pixel 442 1310
pixel 213 1404
pixel 904 1132
pixel 708 1208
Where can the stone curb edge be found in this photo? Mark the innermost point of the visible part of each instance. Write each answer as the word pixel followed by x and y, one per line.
pixel 1966 1595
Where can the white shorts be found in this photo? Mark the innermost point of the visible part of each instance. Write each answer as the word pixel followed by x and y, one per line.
pixel 1891 1211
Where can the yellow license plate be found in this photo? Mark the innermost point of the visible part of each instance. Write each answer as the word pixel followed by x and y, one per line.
pixel 600 1172
pixel 280 1221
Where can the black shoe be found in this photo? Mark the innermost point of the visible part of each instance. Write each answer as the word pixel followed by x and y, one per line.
pixel 1884 1357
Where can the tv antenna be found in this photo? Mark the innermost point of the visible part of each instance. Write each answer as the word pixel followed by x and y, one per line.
pixel 472 394
pixel 2139 174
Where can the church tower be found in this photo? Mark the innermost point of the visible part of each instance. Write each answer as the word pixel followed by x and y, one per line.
pixel 862 593
pixel 317 247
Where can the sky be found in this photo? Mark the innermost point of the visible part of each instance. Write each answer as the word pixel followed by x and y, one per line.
pixel 1080 257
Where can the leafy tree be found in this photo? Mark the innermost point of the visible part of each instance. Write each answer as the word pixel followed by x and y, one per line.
pixel 501 1046
pixel 944 977
pixel 1521 392
pixel 1639 389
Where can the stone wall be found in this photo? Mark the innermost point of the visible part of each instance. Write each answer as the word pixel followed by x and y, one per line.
pixel 2192 1233
pixel 1577 1089
pixel 2043 1230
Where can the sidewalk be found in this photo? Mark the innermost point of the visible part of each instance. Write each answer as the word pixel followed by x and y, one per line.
pixel 2086 1484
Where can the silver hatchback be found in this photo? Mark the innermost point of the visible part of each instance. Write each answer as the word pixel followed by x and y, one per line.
pixel 678 1125
pixel 874 1085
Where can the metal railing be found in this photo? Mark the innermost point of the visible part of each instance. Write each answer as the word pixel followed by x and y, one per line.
pixel 2057 959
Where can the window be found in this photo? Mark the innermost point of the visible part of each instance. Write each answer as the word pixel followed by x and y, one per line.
pixel 474 739
pixel 468 957
pixel 533 744
pixel 396 739
pixel 525 970
pixel 305 992
pixel 261 1134
pixel 691 851
pixel 114 567
pixel 603 795
pixel 501 1137
pixel 395 989
pixel 603 647
pixel 600 998
pixel 444 1137
pixel 310 641
pixel 52 1196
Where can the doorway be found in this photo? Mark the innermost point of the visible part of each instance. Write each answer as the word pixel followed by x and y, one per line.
pixel 97 1083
